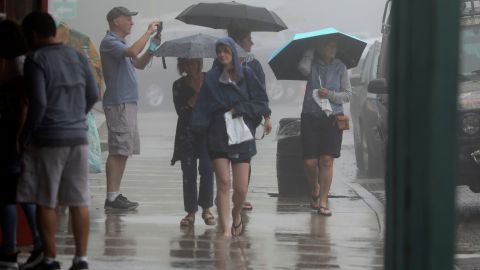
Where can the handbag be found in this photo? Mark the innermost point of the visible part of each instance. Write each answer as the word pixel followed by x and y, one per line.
pixel 343 122
pixel 238 132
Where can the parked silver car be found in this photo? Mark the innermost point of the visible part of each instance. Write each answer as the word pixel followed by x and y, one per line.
pixel 468 100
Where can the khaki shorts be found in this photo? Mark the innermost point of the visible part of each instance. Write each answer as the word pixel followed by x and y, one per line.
pixel 27 183
pixel 123 138
pixel 56 174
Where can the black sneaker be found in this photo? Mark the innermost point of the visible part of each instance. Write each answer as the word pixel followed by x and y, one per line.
pixel 120 203
pixel 47 266
pixel 123 198
pixel 8 262
pixel 36 257
pixel 80 265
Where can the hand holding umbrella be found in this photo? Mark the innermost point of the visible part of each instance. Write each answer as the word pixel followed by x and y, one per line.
pixel 284 61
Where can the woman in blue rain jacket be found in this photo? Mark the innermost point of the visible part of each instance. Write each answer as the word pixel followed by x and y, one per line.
pixel 226 87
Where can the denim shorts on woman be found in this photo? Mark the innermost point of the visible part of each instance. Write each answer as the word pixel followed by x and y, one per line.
pixel 234 158
pixel 320 136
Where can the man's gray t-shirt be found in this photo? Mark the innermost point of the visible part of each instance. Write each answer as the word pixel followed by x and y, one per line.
pixel 118 71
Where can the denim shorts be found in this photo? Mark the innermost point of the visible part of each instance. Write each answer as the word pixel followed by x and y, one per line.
pixel 234 158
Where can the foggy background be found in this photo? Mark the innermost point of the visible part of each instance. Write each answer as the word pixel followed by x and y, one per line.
pixel 360 17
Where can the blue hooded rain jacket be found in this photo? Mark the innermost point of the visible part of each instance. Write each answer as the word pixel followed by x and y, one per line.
pixel 246 95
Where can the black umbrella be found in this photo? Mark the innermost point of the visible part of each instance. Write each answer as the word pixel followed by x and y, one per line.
pixel 284 61
pixel 229 15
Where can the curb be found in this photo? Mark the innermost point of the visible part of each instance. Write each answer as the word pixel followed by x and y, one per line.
pixel 373 203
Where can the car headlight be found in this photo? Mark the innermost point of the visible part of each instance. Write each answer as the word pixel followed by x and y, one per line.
pixel 471 124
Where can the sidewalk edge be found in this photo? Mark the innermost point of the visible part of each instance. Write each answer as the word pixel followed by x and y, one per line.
pixel 373 203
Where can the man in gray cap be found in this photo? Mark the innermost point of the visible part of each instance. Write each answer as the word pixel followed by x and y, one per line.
pixel 119 61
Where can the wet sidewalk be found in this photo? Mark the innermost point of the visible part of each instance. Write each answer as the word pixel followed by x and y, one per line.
pixel 279 233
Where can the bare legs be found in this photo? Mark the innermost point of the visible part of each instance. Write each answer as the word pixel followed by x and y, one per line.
pixel 311 172
pixel 114 168
pixel 81 228
pixel 240 186
pixel 240 189
pixel 47 222
pixel 221 167
pixel 319 173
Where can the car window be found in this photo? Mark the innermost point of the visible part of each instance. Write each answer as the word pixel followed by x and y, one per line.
pixel 470 49
pixel 366 67
pixel 373 71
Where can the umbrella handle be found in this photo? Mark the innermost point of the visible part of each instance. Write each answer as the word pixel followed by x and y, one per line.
pixel 164 63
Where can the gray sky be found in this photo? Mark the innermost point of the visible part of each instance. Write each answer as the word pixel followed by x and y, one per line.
pixel 358 17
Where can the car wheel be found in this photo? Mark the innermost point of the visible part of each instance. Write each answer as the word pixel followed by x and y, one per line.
pixel 475 188
pixel 154 96
pixel 375 164
pixel 364 152
pixel 357 142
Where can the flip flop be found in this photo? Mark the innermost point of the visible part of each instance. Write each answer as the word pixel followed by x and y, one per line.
pixel 235 227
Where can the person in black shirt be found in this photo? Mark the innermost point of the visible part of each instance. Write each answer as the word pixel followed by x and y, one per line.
pixel 191 147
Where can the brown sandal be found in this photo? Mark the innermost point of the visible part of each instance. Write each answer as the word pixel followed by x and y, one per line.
pixel 187 221
pixel 208 218
pixel 324 211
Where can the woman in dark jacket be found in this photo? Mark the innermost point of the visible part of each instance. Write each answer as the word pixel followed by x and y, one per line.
pixel 229 87
pixel 190 147
pixel 244 39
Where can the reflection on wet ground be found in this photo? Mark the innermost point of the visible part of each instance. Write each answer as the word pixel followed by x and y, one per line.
pixel 280 233
pixel 116 243
pixel 468 224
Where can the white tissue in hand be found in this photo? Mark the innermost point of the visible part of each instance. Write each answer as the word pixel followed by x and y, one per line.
pixel 324 103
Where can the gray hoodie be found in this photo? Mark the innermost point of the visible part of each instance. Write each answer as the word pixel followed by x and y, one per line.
pixel 61 90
